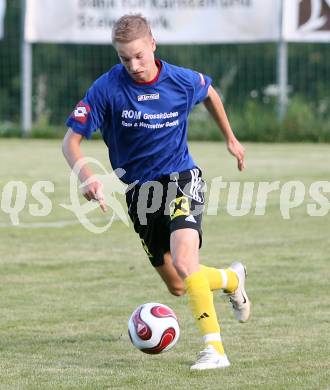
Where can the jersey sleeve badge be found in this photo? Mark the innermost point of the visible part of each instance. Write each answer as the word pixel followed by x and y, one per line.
pixel 81 112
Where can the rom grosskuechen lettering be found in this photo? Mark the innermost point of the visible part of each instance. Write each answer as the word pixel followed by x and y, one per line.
pixel 130 114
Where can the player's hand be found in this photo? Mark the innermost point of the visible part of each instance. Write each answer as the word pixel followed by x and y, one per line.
pixel 92 189
pixel 238 151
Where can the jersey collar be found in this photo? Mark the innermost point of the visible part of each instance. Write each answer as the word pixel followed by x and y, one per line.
pixel 159 66
pixel 157 78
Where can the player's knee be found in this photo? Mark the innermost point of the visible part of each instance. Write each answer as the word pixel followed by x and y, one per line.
pixel 177 291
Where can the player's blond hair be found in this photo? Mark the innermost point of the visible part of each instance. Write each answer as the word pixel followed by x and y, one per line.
pixel 130 27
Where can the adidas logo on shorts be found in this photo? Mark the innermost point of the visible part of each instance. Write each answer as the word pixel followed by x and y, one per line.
pixel 191 218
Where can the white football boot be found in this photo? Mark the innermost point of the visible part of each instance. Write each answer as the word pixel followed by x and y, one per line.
pixel 239 300
pixel 210 358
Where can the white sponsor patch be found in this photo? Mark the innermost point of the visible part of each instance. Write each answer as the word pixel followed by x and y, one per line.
pixel 150 96
pixel 80 112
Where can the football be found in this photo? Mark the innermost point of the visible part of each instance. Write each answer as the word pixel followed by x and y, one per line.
pixel 153 328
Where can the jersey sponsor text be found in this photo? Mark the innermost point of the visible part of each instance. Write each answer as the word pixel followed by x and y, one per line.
pixel 150 96
pixel 131 114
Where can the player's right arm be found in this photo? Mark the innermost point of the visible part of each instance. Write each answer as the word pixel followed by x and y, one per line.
pixel 74 156
pixel 87 117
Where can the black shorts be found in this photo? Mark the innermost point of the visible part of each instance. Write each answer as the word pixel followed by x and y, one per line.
pixel 157 208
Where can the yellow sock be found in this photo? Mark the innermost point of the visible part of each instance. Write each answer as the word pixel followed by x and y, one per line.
pixel 220 278
pixel 201 303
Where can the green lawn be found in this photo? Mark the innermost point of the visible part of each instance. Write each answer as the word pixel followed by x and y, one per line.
pixel 66 294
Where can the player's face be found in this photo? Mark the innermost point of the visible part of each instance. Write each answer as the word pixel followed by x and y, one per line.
pixel 138 58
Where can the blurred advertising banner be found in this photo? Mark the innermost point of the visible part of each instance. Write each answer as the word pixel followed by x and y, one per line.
pixel 306 20
pixel 172 21
pixel 2 16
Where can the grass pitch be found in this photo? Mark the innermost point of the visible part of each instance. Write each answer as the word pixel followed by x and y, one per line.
pixel 66 294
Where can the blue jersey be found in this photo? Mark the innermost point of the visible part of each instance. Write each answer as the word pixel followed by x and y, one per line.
pixel 143 125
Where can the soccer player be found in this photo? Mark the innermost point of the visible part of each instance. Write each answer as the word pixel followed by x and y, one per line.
pixel 141 107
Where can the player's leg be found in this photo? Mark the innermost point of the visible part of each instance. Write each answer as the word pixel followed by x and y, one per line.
pixel 170 276
pixel 220 278
pixel 232 281
pixel 186 212
pixel 226 279
pixel 185 253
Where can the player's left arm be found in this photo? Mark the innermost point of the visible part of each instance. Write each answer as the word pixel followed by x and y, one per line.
pixel 215 107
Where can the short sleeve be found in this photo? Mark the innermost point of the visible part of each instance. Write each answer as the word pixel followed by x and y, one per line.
pixel 89 113
pixel 201 85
